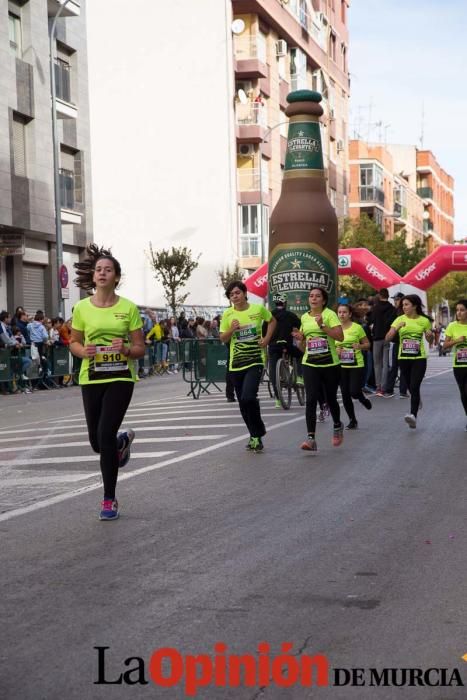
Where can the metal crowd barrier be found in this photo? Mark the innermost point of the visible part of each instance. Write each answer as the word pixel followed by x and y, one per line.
pixel 51 370
pixel 204 365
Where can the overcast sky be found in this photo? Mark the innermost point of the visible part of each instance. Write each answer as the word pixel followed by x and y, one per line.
pixel 409 57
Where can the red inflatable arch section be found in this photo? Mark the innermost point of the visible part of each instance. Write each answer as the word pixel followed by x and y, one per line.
pixel 373 271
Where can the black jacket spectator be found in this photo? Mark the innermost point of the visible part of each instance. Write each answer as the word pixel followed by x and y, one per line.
pixel 382 315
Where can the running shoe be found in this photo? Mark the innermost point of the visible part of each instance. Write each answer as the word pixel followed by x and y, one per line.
pixel 321 416
pixel 109 509
pixel 388 394
pixel 353 425
pixel 277 404
pixel 368 390
pixel 367 403
pixel 309 444
pixel 379 392
pixel 256 444
pixel 124 441
pixel 411 420
pixel 403 396
pixel 338 435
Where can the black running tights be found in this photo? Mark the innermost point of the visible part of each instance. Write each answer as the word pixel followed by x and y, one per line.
pixel 105 406
pixel 316 380
pixel 352 380
pixel 413 372
pixel 460 375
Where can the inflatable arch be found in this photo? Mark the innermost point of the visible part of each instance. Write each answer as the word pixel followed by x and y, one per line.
pixel 373 271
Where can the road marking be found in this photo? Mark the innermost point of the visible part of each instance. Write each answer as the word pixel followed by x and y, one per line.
pixel 76 459
pixel 136 426
pixel 130 475
pixel 177 438
pixel 187 417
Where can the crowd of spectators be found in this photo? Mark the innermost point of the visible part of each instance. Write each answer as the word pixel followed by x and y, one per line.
pixel 160 332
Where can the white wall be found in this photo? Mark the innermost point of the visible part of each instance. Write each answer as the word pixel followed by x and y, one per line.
pixel 163 143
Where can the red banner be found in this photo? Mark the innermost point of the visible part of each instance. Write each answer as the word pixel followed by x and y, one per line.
pixel 446 258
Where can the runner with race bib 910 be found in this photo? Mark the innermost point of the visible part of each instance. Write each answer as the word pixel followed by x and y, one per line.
pixel 106 334
pixel 241 326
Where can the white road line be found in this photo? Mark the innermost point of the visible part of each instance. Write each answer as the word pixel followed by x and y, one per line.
pixel 76 459
pixel 130 475
pixel 135 425
pixel 52 445
pixel 185 418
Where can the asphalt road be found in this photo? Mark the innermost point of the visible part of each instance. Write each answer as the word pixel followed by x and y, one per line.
pixel 357 553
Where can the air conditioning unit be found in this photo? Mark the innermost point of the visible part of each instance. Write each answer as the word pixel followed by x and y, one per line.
pixel 281 48
pixel 340 146
pixel 245 149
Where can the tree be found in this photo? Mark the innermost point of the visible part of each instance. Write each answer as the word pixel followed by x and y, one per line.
pixel 452 288
pixel 365 233
pixel 226 275
pixel 173 269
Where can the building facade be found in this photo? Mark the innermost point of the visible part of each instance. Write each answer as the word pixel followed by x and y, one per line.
pixel 193 153
pixel 402 189
pixel 27 203
pixel 279 47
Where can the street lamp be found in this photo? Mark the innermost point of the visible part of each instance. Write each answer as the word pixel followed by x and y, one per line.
pixel 263 140
pixel 56 157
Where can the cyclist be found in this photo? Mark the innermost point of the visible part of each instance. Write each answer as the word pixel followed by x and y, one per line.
pixel 241 326
pixel 282 339
pixel 456 337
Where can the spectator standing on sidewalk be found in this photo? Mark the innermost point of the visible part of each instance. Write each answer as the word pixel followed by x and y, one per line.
pixel 382 315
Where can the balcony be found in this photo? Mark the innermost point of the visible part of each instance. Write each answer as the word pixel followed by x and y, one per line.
pixel 425 192
pixel 251 121
pixel 250 57
pixel 371 194
pixel 250 245
pixel 299 10
pixel 62 80
pixel 72 9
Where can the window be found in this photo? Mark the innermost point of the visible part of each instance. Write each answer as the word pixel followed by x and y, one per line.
pixel 63 73
pixel 19 145
pixel 67 179
pixel 332 46
pixel 249 225
pixel 14 30
pixel 298 76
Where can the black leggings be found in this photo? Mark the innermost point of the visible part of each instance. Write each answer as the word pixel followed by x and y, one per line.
pixel 460 375
pixel 246 383
pixel 352 381
pixel 413 372
pixel 105 406
pixel 316 380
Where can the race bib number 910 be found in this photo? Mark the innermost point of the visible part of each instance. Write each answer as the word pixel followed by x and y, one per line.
pixel 107 360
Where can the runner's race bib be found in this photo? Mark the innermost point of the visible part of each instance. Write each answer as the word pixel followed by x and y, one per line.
pixel 317 346
pixel 410 347
pixel 108 362
pixel 247 334
pixel 461 356
pixel 347 356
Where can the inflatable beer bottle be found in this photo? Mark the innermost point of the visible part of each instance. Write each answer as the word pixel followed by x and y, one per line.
pixel 303 238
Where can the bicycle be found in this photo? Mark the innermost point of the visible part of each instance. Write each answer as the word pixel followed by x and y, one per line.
pixel 287 380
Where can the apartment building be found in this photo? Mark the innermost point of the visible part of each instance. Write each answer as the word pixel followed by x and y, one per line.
pixel 386 191
pixel 194 150
pixel 28 271
pixel 280 46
